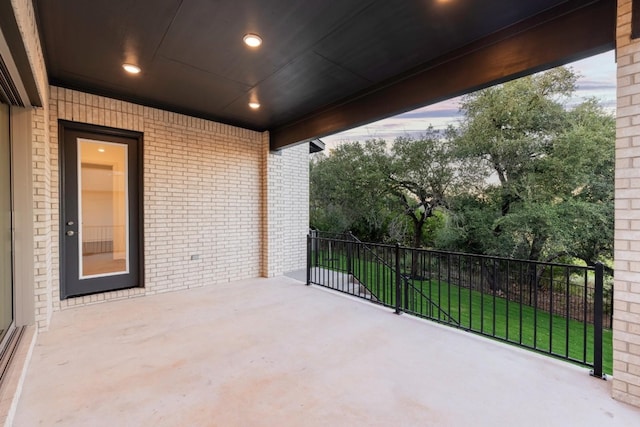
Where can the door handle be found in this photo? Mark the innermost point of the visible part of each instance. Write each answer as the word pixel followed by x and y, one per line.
pixel 70 233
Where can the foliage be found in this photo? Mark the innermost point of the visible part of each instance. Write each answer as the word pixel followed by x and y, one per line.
pixel 552 196
pixel 523 176
pixel 421 177
pixel 386 194
pixel 348 191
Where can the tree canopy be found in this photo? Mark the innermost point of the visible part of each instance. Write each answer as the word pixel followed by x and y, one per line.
pixel 523 175
pixel 348 192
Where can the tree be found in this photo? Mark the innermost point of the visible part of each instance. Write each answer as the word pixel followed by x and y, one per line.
pixel 523 176
pixel 509 128
pixel 588 145
pixel 368 188
pixel 424 172
pixel 553 166
pixel 348 190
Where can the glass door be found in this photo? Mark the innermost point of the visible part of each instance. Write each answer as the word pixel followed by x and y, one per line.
pixel 6 241
pixel 100 205
pixel 103 210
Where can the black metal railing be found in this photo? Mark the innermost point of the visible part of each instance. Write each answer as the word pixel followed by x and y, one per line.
pixel 556 309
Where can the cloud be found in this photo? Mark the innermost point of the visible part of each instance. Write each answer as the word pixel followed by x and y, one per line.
pixel 426 114
pixel 586 85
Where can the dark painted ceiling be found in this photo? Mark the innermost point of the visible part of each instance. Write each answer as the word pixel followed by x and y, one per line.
pixel 316 53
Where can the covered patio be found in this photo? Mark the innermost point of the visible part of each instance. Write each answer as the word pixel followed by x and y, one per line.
pixel 267 352
pixel 217 196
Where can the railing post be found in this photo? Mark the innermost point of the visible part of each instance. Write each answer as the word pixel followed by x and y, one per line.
pixel 398 281
pixel 309 259
pixel 611 295
pixel 597 322
pixel 350 255
pixel 406 293
pixel 315 249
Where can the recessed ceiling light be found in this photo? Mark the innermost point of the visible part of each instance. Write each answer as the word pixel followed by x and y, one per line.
pixel 100 150
pixel 130 68
pixel 252 40
pixel 254 105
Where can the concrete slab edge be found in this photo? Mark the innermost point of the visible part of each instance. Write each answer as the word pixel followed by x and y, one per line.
pixel 27 343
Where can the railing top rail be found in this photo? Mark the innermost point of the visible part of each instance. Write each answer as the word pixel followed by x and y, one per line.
pixel 441 252
pixel 491 257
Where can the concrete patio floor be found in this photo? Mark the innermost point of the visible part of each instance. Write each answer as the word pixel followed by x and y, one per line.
pixel 273 352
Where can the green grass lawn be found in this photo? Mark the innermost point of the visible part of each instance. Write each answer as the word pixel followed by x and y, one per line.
pixel 509 320
pixel 485 313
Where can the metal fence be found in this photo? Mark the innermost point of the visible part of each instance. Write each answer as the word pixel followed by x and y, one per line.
pixel 556 309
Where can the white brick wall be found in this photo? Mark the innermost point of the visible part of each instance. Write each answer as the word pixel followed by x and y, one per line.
pixel 287 211
pixel 202 193
pixel 295 213
pixel 209 189
pixel 274 213
pixel 45 271
pixel 626 323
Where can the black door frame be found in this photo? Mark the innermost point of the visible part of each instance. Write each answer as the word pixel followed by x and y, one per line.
pixel 64 128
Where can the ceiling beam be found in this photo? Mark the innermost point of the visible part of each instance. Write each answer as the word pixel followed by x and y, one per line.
pixel 553 38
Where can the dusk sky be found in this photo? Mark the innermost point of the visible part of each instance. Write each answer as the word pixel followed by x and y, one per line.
pixel 598 79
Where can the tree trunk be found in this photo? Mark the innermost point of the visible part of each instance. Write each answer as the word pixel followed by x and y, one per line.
pixel 534 255
pixel 418 225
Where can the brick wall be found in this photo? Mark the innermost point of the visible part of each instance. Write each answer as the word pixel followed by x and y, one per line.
pixel 626 326
pixel 210 190
pixel 274 213
pixel 287 211
pixel 45 270
pixel 295 213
